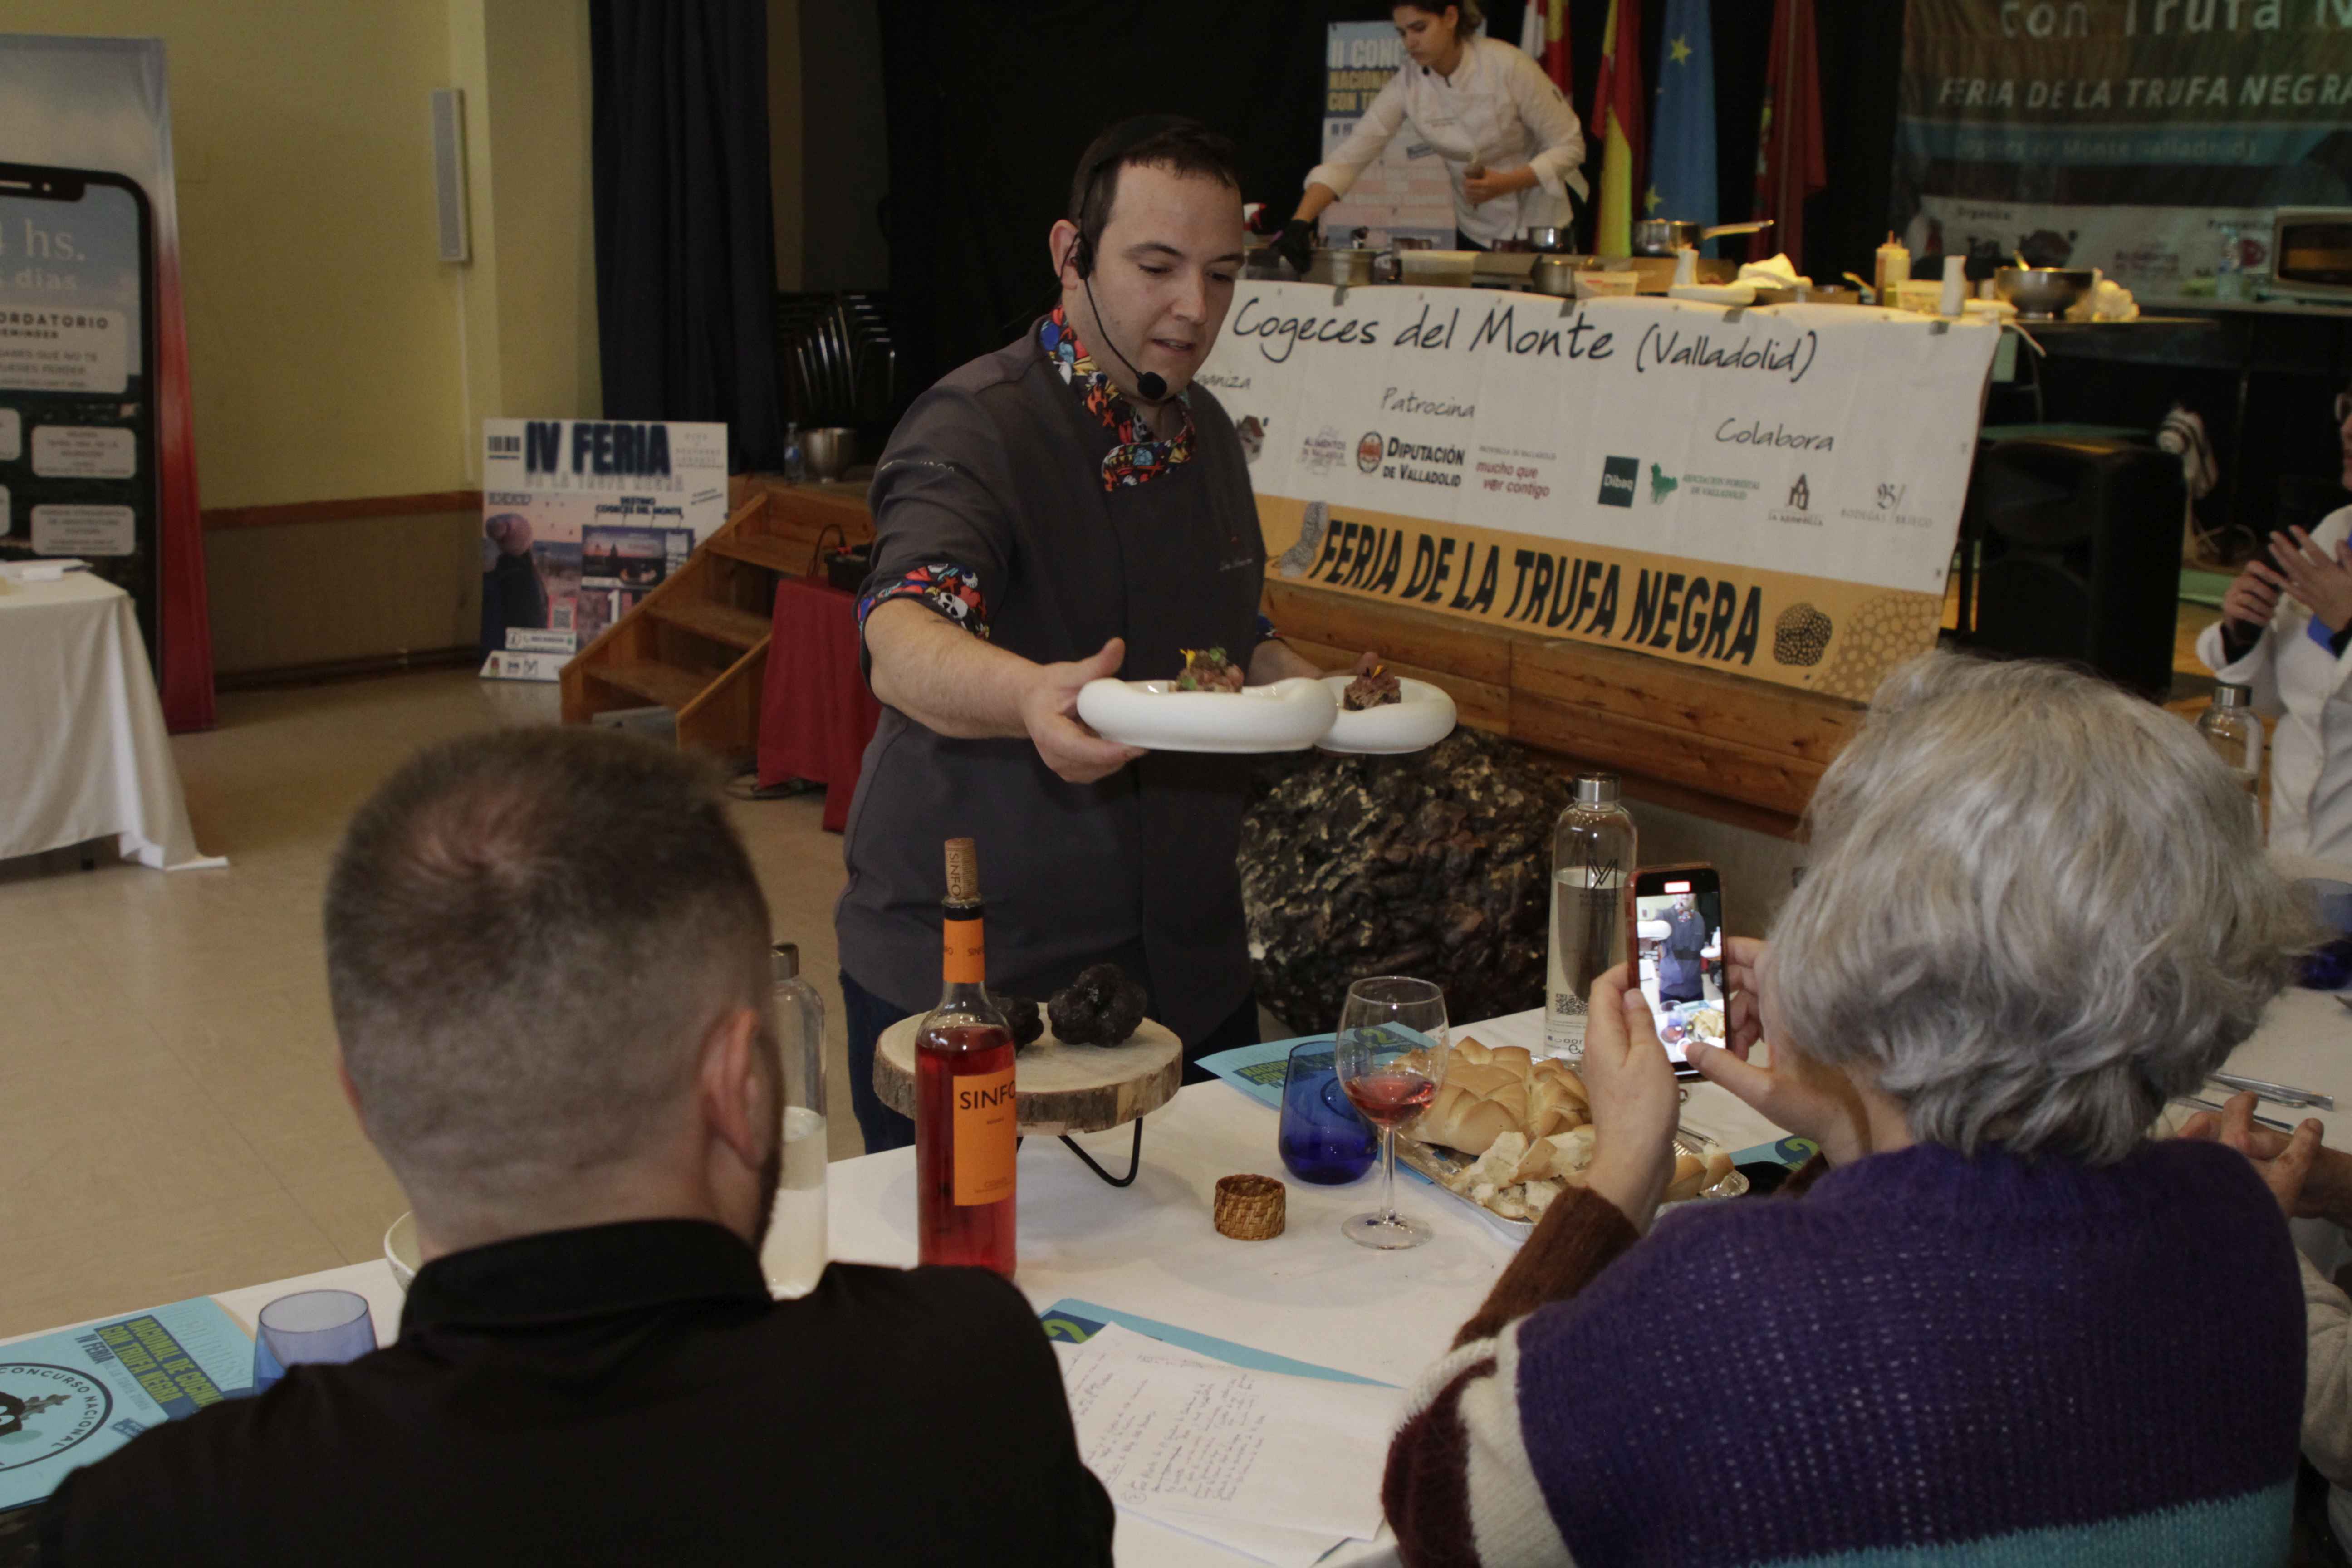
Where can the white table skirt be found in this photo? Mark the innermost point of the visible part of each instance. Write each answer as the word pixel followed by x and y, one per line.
pixel 83 751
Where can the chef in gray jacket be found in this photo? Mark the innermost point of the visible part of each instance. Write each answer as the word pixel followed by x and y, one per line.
pixel 1068 507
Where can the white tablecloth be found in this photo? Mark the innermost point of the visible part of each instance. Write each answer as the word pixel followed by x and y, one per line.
pixel 83 751
pixel 1309 1293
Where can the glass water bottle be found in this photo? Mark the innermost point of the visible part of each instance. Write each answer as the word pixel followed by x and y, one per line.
pixel 1591 893
pixel 2231 728
pixel 792 1253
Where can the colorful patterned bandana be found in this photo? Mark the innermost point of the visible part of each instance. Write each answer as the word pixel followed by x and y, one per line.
pixel 1140 456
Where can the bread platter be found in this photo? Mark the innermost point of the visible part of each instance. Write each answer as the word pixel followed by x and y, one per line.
pixel 1509 1132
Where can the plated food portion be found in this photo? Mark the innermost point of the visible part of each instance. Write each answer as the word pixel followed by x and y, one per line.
pixel 1510 1133
pixel 1210 707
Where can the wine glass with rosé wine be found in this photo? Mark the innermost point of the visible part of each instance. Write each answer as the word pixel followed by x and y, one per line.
pixel 1389 1056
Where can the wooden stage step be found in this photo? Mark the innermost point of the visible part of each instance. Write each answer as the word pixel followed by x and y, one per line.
pixel 739 629
pixel 662 683
pixel 759 550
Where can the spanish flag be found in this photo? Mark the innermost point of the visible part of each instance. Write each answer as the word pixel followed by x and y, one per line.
pixel 1618 106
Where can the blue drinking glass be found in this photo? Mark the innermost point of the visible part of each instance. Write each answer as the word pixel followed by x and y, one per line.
pixel 1323 1140
pixel 312 1327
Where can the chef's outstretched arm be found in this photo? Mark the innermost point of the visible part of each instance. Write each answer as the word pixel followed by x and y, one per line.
pixel 950 681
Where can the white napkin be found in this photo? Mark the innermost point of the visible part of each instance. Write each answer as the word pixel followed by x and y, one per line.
pixel 1777 273
pixel 48 570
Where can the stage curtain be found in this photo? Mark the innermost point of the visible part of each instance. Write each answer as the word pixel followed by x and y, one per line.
pixel 686 269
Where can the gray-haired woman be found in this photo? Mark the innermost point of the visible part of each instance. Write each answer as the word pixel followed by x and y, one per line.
pixel 1970 1339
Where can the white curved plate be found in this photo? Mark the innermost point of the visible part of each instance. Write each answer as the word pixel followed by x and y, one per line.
pixel 400 1250
pixel 1713 293
pixel 1287 716
pixel 1423 717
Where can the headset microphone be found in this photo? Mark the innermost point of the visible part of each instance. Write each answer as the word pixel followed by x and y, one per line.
pixel 1151 386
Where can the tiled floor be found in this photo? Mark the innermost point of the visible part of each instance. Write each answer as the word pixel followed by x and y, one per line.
pixel 170 1119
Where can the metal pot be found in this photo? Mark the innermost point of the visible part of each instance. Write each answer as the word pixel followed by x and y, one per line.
pixel 1556 275
pixel 1665 236
pixel 1349 267
pixel 2043 293
pixel 1551 240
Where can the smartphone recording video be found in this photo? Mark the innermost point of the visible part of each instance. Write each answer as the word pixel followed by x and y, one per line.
pixel 1678 941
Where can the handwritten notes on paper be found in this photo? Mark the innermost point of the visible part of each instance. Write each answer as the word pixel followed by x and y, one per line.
pixel 1281 1468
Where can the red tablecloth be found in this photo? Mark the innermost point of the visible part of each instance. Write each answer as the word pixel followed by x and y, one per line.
pixel 815 715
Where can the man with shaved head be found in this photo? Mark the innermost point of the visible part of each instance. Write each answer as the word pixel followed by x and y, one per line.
pixel 548 957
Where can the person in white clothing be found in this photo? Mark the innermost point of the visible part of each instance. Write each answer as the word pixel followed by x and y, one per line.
pixel 2286 632
pixel 1510 142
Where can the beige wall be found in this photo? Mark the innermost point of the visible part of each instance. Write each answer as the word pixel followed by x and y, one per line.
pixel 332 354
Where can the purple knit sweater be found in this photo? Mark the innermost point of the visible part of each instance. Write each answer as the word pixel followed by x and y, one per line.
pixel 1925 1359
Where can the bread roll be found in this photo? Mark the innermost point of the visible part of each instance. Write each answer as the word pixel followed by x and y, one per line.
pixel 1461 1120
pixel 1516 1059
pixel 1482 1080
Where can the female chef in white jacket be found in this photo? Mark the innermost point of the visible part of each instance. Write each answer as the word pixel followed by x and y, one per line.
pixel 2286 631
pixel 1481 105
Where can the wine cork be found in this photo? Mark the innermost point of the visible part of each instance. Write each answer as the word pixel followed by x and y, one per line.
pixel 1249 1208
pixel 963 872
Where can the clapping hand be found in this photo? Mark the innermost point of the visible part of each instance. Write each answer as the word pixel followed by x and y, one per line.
pixel 2323 582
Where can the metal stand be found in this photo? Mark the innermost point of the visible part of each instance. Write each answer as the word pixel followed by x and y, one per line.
pixel 1134 1162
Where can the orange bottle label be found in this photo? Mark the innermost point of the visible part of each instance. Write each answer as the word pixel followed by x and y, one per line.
pixel 986 1137
pixel 966 955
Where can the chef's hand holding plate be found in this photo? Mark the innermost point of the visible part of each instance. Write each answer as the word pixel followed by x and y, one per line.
pixel 1635 1102
pixel 1049 712
pixel 1793 1092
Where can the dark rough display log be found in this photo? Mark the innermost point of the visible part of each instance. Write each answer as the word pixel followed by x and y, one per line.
pixel 1433 864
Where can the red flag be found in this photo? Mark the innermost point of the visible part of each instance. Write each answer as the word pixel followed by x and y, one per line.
pixel 1620 110
pixel 1790 165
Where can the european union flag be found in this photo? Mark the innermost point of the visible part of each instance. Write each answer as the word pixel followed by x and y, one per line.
pixel 1682 132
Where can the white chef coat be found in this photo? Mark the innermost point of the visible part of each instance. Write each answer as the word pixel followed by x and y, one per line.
pixel 2310 690
pixel 1498 107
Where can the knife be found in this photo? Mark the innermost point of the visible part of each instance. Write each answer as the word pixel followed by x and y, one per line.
pixel 2204 1104
pixel 2283 1093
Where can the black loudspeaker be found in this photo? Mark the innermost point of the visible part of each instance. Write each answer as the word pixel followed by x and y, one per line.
pixel 2081 550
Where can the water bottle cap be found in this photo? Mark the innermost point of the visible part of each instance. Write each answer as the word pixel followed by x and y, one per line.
pixel 784 961
pixel 2228 696
pixel 1596 789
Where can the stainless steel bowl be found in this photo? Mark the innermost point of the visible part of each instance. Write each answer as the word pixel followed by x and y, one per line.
pixel 828 451
pixel 1549 239
pixel 1349 265
pixel 2043 293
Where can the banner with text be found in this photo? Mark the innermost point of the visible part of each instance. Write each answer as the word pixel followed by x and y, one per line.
pixel 580 518
pixel 1773 492
pixel 1406 195
pixel 2121 135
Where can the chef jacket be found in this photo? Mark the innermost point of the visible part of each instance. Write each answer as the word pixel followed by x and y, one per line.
pixel 2307 686
pixel 1681 965
pixel 996 473
pixel 1498 107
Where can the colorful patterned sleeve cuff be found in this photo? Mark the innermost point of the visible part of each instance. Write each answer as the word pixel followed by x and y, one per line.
pixel 952 590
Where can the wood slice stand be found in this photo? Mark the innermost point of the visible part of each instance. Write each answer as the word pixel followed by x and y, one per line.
pixel 1060 1089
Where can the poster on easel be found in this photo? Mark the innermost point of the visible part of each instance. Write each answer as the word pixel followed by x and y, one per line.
pixel 97 455
pixel 580 518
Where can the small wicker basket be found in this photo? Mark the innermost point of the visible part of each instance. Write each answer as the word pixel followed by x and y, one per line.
pixel 1249 1208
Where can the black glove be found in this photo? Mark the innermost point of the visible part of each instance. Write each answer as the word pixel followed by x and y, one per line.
pixel 1297 244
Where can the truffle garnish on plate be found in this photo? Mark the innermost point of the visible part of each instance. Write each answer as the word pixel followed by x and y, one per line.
pixel 1375 687
pixel 1208 669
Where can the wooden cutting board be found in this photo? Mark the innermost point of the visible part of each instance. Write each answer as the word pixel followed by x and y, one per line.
pixel 1058 1087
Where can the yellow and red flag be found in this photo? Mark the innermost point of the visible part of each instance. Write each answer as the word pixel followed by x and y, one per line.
pixel 1619 108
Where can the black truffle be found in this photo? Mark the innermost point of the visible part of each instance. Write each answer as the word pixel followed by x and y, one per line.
pixel 1028 1023
pixel 1101 1008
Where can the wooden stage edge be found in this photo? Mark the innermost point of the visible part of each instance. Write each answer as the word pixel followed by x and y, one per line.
pixel 1724 747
